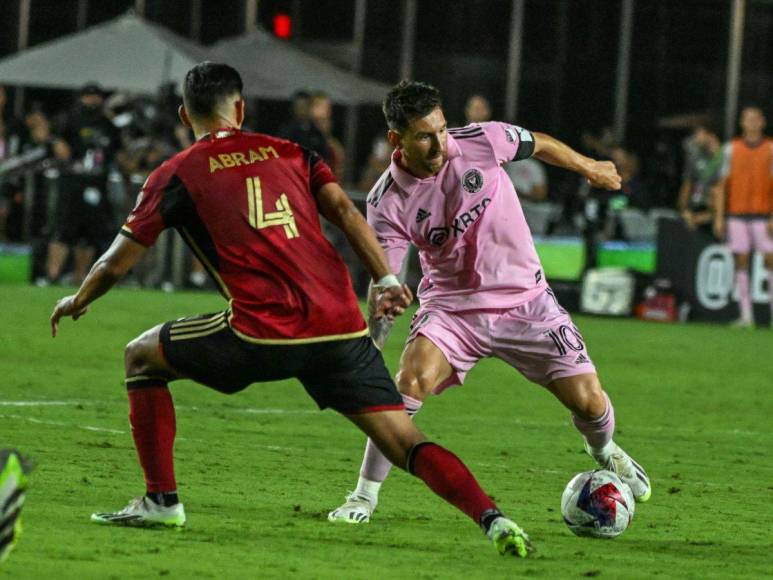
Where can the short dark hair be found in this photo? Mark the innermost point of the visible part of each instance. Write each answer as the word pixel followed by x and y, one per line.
pixel 206 84
pixel 409 100
pixel 710 125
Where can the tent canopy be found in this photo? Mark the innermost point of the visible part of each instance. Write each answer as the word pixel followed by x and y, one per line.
pixel 130 53
pixel 275 69
pixel 127 53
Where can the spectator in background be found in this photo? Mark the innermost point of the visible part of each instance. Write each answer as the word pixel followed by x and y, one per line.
pixel 701 173
pixel 85 219
pixel 477 110
pixel 378 162
pixel 9 135
pixel 600 145
pixel 633 189
pixel 743 204
pixel 321 114
pixel 301 129
pixel 529 179
pixel 10 142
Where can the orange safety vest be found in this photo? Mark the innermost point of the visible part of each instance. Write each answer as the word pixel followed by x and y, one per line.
pixel 750 180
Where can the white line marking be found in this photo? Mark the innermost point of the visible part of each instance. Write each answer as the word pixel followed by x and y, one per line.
pixel 62 424
pixel 258 411
pixel 38 403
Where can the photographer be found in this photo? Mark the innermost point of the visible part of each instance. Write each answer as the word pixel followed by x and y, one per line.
pixel 85 217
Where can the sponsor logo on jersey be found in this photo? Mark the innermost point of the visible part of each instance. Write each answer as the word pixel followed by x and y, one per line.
pixel 437 236
pixel 581 359
pixel 422 214
pixel 472 181
pixel 238 158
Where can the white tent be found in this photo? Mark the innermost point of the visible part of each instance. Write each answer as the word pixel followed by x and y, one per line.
pixel 264 61
pixel 127 53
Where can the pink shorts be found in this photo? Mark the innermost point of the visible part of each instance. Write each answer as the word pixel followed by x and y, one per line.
pixel 536 338
pixel 745 235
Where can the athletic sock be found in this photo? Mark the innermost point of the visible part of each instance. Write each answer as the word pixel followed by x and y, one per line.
pixel 446 475
pixel 597 432
pixel 165 499
pixel 375 467
pixel 744 298
pixel 152 418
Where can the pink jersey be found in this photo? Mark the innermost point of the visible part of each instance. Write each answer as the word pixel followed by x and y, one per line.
pixel 475 248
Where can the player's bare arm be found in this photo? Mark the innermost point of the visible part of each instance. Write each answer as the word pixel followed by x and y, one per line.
pixel 602 174
pixel 119 258
pixel 391 298
pixel 718 202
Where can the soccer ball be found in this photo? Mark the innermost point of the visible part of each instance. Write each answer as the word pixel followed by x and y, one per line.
pixel 597 504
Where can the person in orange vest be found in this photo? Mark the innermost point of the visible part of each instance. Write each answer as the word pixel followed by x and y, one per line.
pixel 744 204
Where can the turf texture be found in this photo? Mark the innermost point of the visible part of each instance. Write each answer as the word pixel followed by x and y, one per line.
pixel 259 470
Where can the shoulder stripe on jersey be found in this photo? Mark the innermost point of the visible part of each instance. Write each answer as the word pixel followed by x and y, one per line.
pixel 464 130
pixel 381 188
pixel 468 135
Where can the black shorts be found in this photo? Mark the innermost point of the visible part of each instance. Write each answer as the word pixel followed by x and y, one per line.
pixel 347 375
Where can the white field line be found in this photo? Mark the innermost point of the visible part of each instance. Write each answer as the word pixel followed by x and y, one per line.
pixel 37 403
pixel 63 424
pixel 278 411
pixel 120 432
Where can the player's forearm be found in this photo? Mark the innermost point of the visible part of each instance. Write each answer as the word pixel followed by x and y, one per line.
pixel 102 276
pixel 684 196
pixel 379 328
pixel 552 151
pixel 718 201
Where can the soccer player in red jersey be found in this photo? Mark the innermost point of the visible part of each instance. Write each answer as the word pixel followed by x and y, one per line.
pixel 248 206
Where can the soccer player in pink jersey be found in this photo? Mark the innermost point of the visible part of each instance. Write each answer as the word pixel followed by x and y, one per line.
pixel 483 293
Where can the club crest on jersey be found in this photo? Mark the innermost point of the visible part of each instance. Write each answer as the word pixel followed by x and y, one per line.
pixel 437 236
pixel 472 181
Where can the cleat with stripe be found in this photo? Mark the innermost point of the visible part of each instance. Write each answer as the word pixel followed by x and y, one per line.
pixel 509 539
pixel 13 483
pixel 356 510
pixel 613 458
pixel 142 512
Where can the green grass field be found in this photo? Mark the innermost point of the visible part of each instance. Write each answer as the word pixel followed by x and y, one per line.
pixel 258 471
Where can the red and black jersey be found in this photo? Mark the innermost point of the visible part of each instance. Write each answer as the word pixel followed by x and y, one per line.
pixel 245 204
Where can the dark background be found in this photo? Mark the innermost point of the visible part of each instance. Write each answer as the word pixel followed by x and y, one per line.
pixel 679 58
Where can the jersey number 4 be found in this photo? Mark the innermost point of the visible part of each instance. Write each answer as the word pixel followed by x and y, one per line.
pixel 259 219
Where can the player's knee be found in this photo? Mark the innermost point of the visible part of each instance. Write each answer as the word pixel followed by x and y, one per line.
pixel 769 261
pixel 589 400
pixel 417 386
pixel 138 355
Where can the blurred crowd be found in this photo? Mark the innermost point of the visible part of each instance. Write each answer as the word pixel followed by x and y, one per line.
pixel 68 178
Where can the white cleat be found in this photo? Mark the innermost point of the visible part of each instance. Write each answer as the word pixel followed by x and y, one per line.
pixel 356 510
pixel 613 458
pixel 509 538
pixel 144 513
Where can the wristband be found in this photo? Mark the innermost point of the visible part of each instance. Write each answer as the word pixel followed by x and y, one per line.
pixel 387 281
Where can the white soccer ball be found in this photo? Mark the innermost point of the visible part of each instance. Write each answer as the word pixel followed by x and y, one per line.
pixel 597 504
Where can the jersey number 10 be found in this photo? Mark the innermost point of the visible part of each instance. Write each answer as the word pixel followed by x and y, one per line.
pixel 260 219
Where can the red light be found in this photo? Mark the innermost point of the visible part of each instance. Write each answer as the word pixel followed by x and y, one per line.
pixel 283 26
